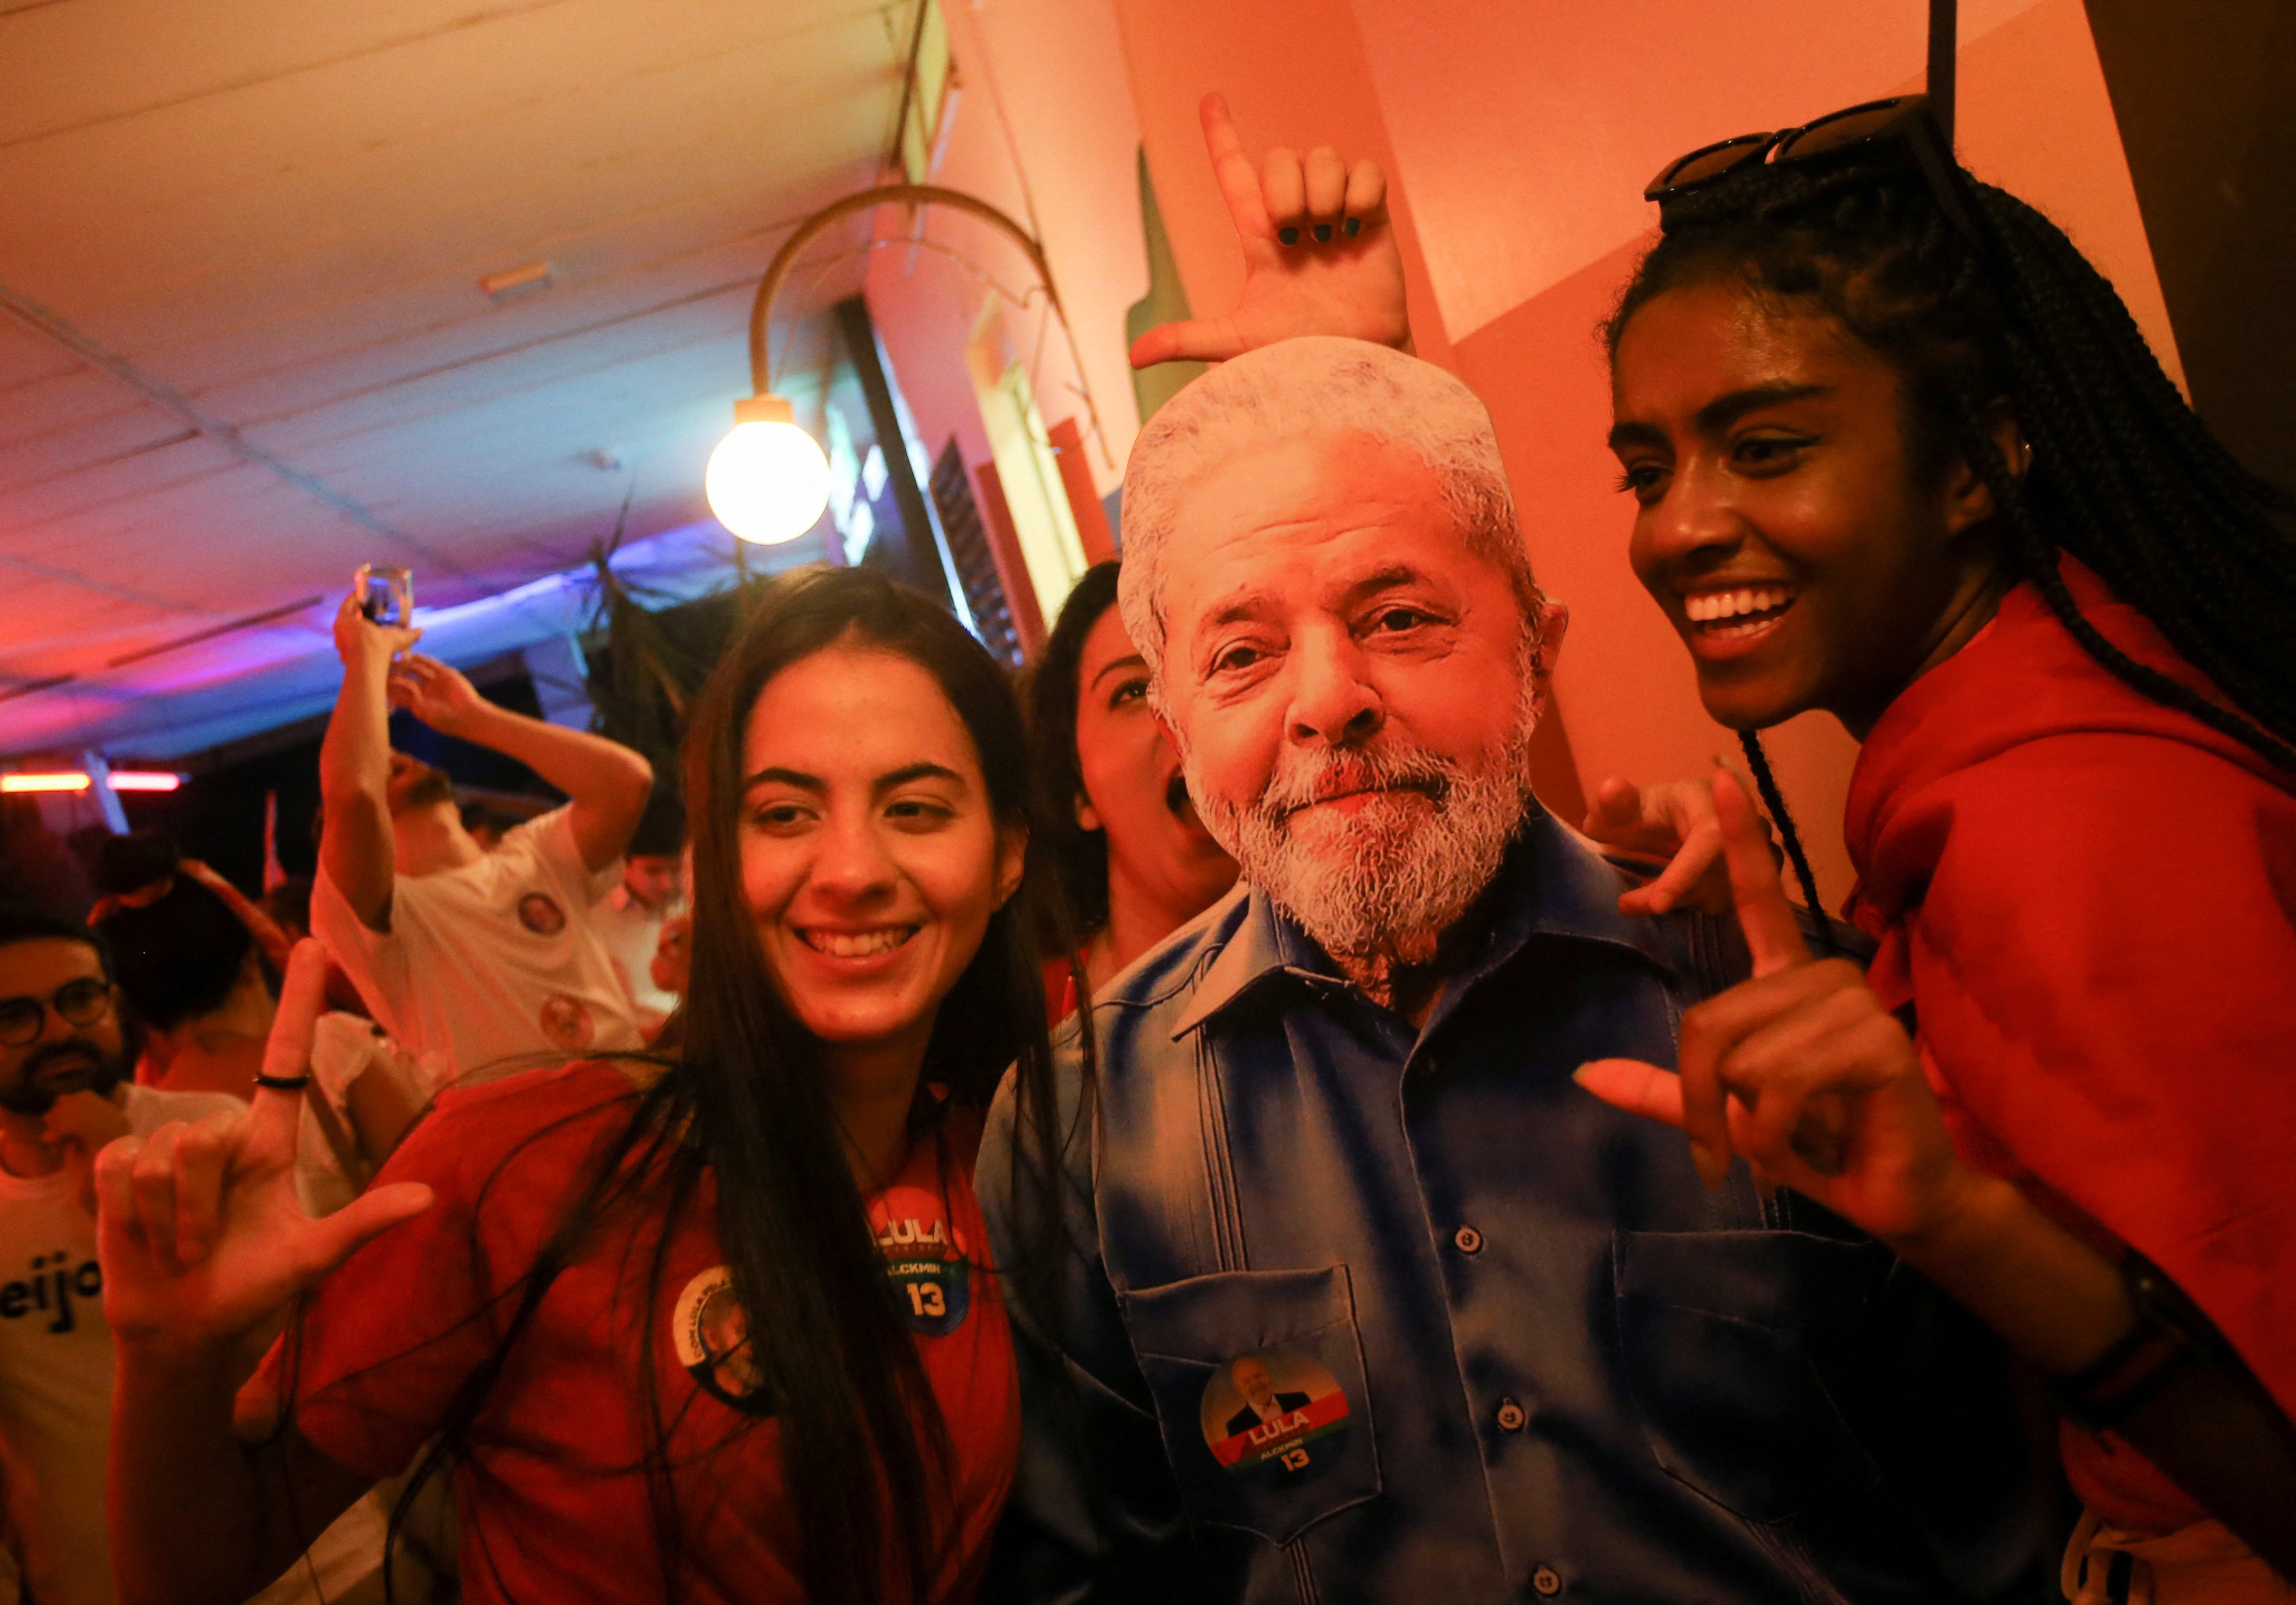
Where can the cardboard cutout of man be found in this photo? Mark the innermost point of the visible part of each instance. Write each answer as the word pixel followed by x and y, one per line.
pixel 1336 1115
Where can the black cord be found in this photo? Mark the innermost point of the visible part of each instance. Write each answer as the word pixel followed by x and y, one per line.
pixel 1775 801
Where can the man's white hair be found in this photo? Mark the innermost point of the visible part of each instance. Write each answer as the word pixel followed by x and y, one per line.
pixel 1294 390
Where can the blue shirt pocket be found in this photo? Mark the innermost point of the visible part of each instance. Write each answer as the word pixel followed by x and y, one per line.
pixel 1259 1382
pixel 1721 1333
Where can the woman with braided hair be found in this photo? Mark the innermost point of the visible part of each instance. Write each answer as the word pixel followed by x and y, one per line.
pixel 1900 454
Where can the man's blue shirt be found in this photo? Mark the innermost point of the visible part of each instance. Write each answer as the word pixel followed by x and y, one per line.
pixel 1539 1358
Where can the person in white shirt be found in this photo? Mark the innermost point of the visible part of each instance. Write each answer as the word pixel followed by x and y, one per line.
pixel 64 1058
pixel 652 892
pixel 478 963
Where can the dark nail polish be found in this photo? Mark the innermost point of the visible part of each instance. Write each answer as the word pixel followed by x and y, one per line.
pixel 1289 235
pixel 1355 227
pixel 1323 234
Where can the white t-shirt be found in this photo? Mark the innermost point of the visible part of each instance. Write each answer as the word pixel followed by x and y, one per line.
pixel 56 1367
pixel 496 966
pixel 632 933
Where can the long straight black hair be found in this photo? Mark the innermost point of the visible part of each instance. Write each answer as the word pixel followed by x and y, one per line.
pixel 743 1103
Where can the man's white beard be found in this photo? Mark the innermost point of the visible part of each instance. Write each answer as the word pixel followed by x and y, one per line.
pixel 1399 866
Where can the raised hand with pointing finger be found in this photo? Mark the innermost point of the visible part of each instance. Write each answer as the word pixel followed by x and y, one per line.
pixel 1319 253
pixel 201 1234
pixel 1798 1069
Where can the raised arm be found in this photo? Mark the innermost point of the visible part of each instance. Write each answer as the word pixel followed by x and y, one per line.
pixel 355 848
pixel 1319 254
pixel 202 1243
pixel 607 782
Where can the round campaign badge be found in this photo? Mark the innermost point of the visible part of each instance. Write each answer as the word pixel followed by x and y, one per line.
pixel 1274 1414
pixel 540 912
pixel 925 1259
pixel 710 1332
pixel 566 1022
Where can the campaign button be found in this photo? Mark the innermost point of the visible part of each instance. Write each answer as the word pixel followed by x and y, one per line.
pixel 710 1332
pixel 925 1260
pixel 1275 1415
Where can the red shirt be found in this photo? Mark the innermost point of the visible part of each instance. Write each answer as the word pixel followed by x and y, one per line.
pixel 2090 899
pixel 552 1509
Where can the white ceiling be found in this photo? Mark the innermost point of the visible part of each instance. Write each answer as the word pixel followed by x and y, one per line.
pixel 280 211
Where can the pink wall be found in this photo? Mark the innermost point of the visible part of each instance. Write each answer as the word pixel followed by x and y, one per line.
pixel 1042 128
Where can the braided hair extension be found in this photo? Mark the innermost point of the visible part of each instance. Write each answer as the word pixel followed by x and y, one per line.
pixel 2123 474
pixel 1774 801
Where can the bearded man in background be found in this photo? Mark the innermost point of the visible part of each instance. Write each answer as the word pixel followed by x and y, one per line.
pixel 1334 1125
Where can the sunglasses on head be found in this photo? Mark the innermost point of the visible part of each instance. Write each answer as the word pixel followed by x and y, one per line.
pixel 1902 124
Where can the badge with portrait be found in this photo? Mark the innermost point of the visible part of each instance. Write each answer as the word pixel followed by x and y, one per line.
pixel 925 1259
pixel 710 1332
pixel 1275 1415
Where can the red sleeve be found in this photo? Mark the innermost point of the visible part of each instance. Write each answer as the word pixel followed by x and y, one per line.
pixel 2104 968
pixel 384 1342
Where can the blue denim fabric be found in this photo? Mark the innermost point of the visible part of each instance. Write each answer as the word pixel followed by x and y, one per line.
pixel 1569 1370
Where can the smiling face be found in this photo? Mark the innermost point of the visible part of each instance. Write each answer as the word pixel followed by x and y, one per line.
pixel 1784 524
pixel 65 1057
pixel 1354 686
pixel 871 858
pixel 1157 850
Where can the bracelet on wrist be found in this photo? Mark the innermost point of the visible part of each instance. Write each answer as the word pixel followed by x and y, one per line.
pixel 2170 1336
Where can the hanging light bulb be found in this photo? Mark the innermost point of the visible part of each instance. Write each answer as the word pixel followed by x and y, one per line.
pixel 768 481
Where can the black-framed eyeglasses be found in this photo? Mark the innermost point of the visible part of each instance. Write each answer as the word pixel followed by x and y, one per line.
pixel 80 1003
pixel 1903 122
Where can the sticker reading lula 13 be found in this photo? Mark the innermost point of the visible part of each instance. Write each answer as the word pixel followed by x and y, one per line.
pixel 1275 1415
pixel 924 1259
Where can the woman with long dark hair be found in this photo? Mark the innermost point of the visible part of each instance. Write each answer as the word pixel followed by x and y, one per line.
pixel 711 1327
pixel 1900 454
pixel 1120 856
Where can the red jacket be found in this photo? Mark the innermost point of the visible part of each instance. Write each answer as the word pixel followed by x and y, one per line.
pixel 2090 899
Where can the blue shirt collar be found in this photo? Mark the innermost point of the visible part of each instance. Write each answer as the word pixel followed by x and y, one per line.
pixel 1551 883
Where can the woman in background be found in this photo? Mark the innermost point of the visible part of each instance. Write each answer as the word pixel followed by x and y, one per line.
pixel 1116 839
pixel 192 965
